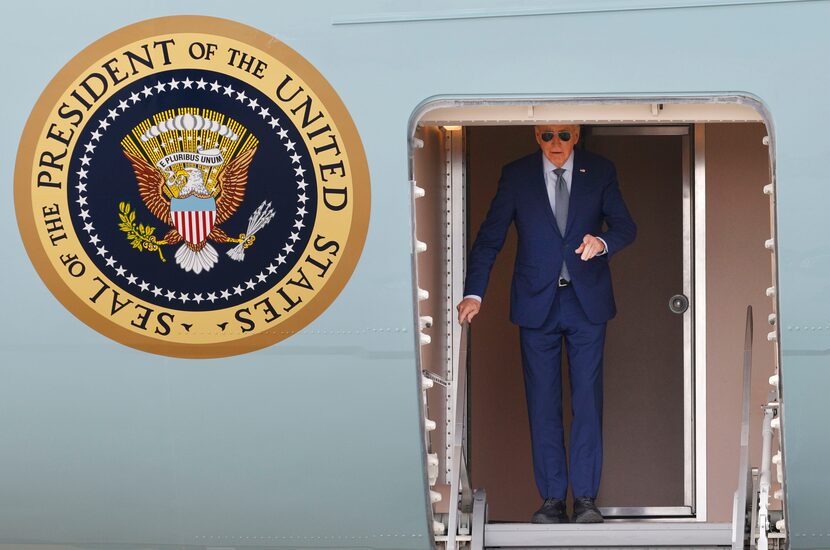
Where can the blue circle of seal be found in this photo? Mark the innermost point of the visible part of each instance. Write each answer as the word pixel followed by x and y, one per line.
pixel 280 182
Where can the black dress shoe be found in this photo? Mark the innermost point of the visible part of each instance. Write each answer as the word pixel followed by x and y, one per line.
pixel 552 511
pixel 585 511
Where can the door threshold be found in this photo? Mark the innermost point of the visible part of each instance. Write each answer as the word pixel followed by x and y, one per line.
pixel 640 512
pixel 608 535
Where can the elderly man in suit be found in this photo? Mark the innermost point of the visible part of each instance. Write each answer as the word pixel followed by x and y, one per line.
pixel 558 198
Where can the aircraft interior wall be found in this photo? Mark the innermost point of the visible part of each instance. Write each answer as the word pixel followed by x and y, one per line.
pixel 643 426
pixel 430 165
pixel 738 273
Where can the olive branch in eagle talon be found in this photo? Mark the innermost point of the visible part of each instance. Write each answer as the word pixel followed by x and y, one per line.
pixel 156 192
pixel 140 236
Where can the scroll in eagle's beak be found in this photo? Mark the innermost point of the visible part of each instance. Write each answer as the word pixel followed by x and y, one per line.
pixel 172 183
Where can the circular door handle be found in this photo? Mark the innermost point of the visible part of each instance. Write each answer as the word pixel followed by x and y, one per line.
pixel 679 304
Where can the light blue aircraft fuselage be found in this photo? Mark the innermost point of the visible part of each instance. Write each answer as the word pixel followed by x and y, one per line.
pixel 317 441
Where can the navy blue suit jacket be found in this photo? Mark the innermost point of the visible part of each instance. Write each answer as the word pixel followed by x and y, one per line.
pixel 522 199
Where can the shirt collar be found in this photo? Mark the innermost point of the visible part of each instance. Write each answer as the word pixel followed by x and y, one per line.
pixel 568 166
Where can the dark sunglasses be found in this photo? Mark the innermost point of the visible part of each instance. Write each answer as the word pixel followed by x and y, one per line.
pixel 564 135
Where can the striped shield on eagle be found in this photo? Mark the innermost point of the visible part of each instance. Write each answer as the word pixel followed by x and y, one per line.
pixel 193 217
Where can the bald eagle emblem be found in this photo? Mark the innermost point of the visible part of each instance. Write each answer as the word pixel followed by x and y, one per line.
pixel 192 191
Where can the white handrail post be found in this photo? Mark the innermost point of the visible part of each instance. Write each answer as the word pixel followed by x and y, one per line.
pixel 764 484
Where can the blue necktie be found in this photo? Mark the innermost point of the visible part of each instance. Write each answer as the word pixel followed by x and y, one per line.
pixel 560 210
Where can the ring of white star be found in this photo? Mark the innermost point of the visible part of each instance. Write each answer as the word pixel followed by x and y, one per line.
pixel 169 294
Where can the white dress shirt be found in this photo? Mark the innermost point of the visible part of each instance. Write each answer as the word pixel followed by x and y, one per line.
pixel 550 186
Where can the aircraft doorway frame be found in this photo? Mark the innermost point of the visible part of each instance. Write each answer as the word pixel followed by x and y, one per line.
pixel 694 261
pixel 452 113
pixel 694 288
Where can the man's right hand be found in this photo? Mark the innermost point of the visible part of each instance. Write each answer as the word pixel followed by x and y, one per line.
pixel 467 309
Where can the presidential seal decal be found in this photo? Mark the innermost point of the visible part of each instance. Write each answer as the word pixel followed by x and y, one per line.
pixel 192 187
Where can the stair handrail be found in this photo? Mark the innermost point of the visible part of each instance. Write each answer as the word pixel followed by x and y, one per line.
pixel 739 502
pixel 460 480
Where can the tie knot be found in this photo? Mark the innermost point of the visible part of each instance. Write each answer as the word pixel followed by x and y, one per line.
pixel 559 171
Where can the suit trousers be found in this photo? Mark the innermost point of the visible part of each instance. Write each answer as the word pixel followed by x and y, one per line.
pixel 542 366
